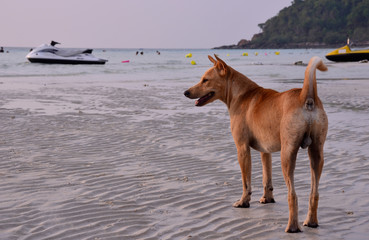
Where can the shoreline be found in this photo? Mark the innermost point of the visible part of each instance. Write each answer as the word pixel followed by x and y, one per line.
pixel 249 44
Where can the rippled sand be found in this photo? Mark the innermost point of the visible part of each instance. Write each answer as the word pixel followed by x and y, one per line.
pixel 88 160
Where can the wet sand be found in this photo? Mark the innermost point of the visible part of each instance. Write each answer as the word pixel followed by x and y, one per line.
pixel 87 160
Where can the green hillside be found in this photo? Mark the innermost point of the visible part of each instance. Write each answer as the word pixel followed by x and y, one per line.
pixel 314 23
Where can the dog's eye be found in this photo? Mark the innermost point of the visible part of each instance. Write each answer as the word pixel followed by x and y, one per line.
pixel 205 80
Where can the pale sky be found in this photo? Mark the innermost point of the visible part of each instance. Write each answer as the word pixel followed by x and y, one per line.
pixel 133 23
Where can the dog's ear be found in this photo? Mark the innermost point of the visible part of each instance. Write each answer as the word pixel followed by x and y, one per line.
pixel 212 60
pixel 221 66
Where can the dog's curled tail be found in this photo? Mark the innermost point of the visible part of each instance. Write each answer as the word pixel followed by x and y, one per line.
pixel 309 93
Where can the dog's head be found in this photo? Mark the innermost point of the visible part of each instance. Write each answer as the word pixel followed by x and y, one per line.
pixel 212 84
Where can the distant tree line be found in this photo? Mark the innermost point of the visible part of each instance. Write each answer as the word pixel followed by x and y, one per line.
pixel 314 23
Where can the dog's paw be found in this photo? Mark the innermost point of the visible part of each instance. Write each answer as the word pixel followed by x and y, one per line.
pixel 265 200
pixel 241 204
pixel 293 229
pixel 311 224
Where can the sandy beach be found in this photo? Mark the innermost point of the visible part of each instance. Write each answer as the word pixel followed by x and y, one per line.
pixel 86 160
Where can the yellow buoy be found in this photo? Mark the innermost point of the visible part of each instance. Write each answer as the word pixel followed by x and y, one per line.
pixel 228 55
pixel 277 53
pixel 193 62
pixel 256 53
pixel 189 55
pixel 245 54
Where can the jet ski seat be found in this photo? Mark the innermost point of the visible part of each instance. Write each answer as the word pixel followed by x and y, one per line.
pixel 71 52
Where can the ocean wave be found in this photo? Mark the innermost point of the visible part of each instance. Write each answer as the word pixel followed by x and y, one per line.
pixel 23 75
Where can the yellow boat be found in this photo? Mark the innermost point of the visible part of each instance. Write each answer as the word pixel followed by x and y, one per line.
pixel 345 54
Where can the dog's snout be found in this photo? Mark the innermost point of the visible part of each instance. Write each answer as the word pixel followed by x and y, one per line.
pixel 187 93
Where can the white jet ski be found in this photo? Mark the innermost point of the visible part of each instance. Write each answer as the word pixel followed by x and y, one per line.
pixel 48 53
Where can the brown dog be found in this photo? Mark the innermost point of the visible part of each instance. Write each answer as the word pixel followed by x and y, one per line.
pixel 269 121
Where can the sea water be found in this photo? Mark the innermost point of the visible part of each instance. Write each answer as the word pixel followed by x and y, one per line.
pixel 172 65
pixel 171 72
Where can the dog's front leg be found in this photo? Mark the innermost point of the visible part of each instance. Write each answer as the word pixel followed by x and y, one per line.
pixel 244 159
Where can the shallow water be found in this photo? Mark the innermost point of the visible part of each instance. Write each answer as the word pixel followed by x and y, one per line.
pixel 172 64
pixel 117 151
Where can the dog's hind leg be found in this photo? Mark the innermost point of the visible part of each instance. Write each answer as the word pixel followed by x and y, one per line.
pixel 288 161
pixel 244 159
pixel 316 164
pixel 266 159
